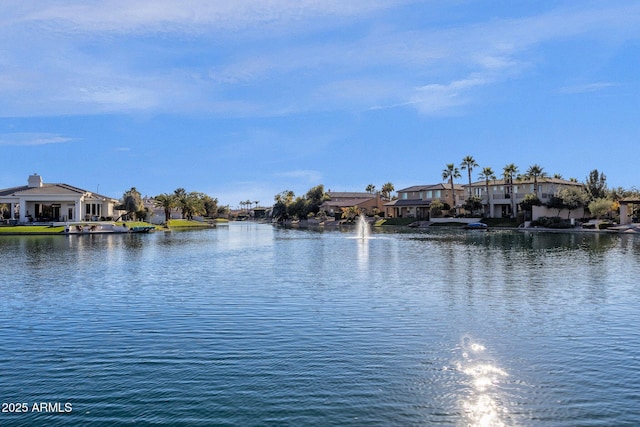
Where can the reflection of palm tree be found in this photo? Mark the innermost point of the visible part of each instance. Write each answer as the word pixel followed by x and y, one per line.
pixel 535 172
pixel 468 163
pixel 487 174
pixel 451 173
pixel 508 172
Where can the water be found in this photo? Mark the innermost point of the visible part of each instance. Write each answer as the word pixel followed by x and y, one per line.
pixel 255 326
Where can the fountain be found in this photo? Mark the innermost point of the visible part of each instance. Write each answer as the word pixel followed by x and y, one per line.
pixel 362 229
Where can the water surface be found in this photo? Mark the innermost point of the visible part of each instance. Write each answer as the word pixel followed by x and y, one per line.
pixel 250 325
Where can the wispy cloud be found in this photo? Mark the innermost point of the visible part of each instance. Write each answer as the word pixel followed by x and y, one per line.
pixel 32 139
pixel 308 176
pixel 251 57
pixel 587 87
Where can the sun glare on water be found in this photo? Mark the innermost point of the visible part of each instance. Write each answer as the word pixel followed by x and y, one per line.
pixel 482 407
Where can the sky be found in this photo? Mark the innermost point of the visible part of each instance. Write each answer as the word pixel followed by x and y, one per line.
pixel 243 100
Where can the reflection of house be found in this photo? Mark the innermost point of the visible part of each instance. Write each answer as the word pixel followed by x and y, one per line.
pixel 367 202
pixel 415 202
pixel 500 201
pixel 38 201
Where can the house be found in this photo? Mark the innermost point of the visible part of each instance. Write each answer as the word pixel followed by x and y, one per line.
pixel 42 202
pixel 501 201
pixel 415 202
pixel 369 203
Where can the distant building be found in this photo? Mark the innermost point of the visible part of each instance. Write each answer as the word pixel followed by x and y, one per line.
pixel 43 202
pixel 415 201
pixel 369 203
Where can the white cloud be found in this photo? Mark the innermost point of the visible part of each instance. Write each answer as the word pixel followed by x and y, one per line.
pixel 308 176
pixel 55 70
pixel 32 139
pixel 588 87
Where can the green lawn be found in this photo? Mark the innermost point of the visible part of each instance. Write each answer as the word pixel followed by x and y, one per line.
pixel 184 223
pixel 31 229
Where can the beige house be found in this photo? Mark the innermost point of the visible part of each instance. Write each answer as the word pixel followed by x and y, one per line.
pixel 42 202
pixel 369 203
pixel 500 201
pixel 415 202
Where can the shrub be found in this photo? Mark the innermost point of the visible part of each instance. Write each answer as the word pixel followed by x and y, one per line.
pixel 551 222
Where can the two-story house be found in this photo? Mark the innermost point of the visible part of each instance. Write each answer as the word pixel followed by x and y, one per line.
pixel 502 200
pixel 415 201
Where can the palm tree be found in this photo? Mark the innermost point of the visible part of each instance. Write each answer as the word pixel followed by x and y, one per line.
pixel 468 163
pixel 166 202
pixel 508 173
pixel 486 175
pixel 535 172
pixel 370 188
pixel 387 189
pixel 451 173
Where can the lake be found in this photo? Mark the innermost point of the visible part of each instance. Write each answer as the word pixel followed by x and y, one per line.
pixel 250 325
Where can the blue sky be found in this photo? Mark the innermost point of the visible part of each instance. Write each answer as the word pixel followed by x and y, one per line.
pixel 244 99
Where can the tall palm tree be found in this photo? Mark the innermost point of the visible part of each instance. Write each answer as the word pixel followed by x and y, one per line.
pixel 486 175
pixel 535 172
pixel 166 202
pixel 508 173
pixel 370 188
pixel 387 189
pixel 468 163
pixel 451 173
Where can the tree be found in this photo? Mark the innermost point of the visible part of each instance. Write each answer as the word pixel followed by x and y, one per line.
pixel 596 184
pixel 450 173
pixel 534 172
pixel 569 198
pixel 387 189
pixel 132 202
pixel 166 202
pixel 508 173
pixel 435 208
pixel 468 163
pixel 600 207
pixel 472 204
pixel 210 206
pixel 180 195
pixel 282 202
pixel 486 175
pixel 370 188
pixel 315 197
pixel 529 201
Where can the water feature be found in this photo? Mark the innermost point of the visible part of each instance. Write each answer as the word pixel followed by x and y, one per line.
pixel 362 227
pixel 254 325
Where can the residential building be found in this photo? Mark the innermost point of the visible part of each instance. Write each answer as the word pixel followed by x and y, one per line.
pixel 42 202
pixel 369 203
pixel 415 202
pixel 501 200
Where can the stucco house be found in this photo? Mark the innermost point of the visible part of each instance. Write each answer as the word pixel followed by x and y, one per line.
pixel 367 202
pixel 500 200
pixel 415 201
pixel 43 202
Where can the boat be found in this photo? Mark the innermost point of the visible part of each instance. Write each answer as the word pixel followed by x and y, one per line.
pixel 101 227
pixel 476 226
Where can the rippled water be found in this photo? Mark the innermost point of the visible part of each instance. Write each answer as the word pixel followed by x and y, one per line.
pixel 248 325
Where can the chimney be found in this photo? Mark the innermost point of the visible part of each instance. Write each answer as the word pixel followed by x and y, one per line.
pixel 35 181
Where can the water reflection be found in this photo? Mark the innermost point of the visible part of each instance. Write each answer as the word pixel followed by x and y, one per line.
pixel 483 406
pixel 363 254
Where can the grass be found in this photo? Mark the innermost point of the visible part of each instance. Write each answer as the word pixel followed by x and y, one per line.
pixel 31 229
pixel 399 221
pixel 184 223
